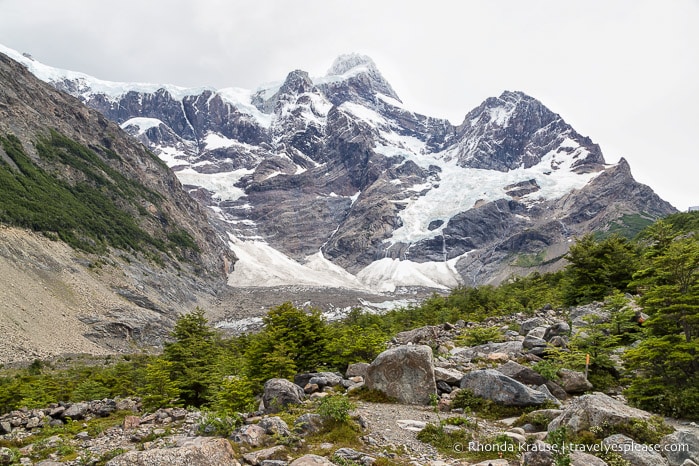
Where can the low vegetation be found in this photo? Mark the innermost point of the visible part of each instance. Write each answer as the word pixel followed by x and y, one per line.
pixel 201 368
pixel 81 200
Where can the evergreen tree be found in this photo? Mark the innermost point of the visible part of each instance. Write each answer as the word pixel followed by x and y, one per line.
pixel 665 364
pixel 597 268
pixel 291 341
pixel 159 390
pixel 193 357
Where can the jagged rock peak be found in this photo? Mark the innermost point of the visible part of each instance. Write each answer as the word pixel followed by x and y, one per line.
pixel 358 72
pixel 500 110
pixel 296 82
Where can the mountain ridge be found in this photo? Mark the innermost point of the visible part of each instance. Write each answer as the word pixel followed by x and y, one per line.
pixel 338 166
pixel 142 249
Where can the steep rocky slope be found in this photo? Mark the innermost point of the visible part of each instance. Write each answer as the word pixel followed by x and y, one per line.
pixel 318 177
pixel 143 249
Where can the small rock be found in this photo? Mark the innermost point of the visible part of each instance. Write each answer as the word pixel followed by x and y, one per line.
pixel 411 425
pixel 252 435
pixel 530 324
pixel 308 423
pixel 257 457
pixel 312 460
pixel 131 422
pixel 275 426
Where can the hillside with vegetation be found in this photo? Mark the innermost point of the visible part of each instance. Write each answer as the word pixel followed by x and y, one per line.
pixel 97 236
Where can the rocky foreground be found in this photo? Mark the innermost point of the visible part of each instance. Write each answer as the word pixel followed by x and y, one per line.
pixel 423 378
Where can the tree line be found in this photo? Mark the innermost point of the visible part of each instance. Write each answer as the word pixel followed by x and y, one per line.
pixel 201 368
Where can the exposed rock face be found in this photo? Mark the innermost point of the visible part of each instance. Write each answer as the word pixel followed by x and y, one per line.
pixel 338 164
pixel 201 451
pixel 508 134
pixel 492 385
pixel 405 373
pixel 595 410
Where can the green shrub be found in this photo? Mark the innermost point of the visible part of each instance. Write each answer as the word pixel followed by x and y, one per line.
pixel 335 407
pixel 479 336
pixel 218 424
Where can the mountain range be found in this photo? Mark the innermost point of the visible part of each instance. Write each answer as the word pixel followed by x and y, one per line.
pixel 331 181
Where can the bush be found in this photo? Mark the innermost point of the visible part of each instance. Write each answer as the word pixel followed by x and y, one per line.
pixel 479 336
pixel 335 407
pixel 218 424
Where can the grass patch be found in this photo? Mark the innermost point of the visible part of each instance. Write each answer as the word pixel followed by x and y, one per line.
pixel 465 443
pixel 529 260
pixel 372 395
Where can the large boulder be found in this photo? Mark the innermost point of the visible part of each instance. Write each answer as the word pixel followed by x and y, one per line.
pixel 637 454
pixel 595 410
pixel 681 437
pixel 405 373
pixel 202 451
pixel 534 345
pixel 322 379
pixel 512 349
pixel 559 329
pixel 76 411
pixel 573 382
pixel 520 373
pixel 279 393
pixel 538 454
pixel 493 385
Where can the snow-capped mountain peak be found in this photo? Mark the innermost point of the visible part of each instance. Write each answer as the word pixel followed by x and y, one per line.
pixel 351 62
pixel 355 77
pixel 338 168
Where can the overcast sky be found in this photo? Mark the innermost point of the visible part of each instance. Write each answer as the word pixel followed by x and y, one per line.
pixel 625 73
